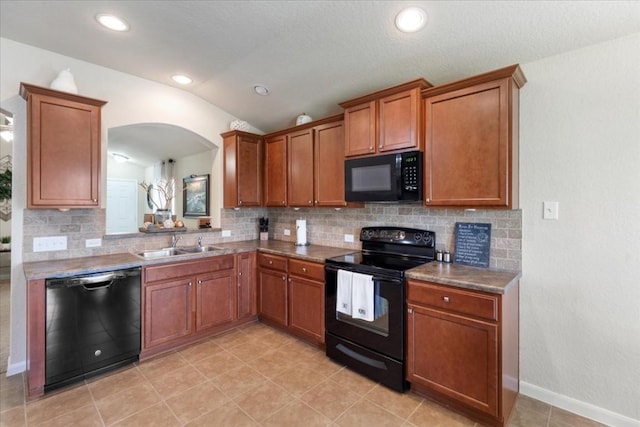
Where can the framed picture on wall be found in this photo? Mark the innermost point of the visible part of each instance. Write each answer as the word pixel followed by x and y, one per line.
pixel 195 197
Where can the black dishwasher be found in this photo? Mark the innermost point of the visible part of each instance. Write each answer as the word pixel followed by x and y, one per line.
pixel 93 325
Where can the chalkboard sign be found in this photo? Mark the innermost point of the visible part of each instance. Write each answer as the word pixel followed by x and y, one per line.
pixel 473 242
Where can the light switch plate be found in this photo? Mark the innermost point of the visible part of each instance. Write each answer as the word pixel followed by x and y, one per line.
pixel 550 210
pixel 287 232
pixel 226 233
pixel 348 238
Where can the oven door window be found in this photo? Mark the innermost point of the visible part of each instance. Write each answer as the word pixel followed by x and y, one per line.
pixel 380 323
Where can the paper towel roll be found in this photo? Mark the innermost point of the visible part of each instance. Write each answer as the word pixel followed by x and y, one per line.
pixel 301 232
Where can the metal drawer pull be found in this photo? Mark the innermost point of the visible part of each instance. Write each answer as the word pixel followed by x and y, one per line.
pixel 304 269
pixel 445 299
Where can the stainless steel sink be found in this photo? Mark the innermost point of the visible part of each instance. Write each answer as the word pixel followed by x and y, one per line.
pixel 198 249
pixel 157 253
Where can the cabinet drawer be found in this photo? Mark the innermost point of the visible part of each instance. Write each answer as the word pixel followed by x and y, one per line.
pixel 174 270
pixel 310 270
pixel 274 262
pixel 453 300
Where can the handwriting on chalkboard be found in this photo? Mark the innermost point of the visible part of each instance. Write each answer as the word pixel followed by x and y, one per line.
pixel 473 243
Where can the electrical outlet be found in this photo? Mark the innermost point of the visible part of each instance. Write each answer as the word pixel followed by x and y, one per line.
pixel 287 232
pixel 92 243
pixel 226 233
pixel 348 238
pixel 51 243
pixel 550 210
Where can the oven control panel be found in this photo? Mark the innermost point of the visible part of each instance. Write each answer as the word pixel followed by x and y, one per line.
pixel 407 236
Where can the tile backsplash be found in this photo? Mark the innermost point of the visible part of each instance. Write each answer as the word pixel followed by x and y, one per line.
pixel 325 226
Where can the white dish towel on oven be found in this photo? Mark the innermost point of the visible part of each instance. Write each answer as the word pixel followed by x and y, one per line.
pixel 343 297
pixel 362 297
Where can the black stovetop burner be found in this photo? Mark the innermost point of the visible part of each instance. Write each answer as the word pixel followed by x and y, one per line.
pixel 389 250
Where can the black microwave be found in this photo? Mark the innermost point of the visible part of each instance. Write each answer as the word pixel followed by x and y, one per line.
pixel 385 178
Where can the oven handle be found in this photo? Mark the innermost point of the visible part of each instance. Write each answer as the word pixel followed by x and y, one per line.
pixel 393 280
pixel 361 358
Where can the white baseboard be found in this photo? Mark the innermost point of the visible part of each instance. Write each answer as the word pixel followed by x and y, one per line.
pixel 584 409
pixel 15 368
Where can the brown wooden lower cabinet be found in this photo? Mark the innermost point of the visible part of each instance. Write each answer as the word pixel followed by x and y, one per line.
pixel 246 284
pixel 272 284
pixel 462 348
pixel 168 308
pixel 291 294
pixel 306 299
pixel 215 299
pixel 186 301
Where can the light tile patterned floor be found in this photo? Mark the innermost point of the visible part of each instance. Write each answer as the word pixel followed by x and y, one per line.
pixel 251 376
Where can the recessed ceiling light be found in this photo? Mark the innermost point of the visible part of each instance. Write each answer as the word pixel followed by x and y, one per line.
pixel 120 158
pixel 411 19
pixel 261 90
pixel 112 22
pixel 182 79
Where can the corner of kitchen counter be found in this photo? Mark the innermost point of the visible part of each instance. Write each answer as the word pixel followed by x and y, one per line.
pixel 462 276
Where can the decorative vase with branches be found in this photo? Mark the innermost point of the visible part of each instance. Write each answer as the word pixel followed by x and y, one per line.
pixel 161 194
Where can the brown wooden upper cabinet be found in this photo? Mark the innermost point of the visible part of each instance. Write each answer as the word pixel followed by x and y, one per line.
pixel 384 121
pixel 63 149
pixel 275 171
pixel 471 141
pixel 304 166
pixel 242 169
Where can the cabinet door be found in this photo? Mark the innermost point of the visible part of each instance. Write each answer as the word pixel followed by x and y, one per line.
pixel 273 296
pixel 63 153
pixel 360 129
pixel 215 299
pixel 467 153
pixel 246 267
pixel 329 165
pixel 306 307
pixel 168 311
pixel 300 168
pixel 275 171
pixel 242 170
pixel 399 121
pixel 455 356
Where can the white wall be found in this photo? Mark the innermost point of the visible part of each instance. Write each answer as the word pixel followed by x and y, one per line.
pixel 580 292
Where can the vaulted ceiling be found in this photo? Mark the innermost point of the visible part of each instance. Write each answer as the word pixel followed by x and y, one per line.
pixel 310 54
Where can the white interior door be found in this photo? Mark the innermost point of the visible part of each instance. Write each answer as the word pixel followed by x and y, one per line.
pixel 122 206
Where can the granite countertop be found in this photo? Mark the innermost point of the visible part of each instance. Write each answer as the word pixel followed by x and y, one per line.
pixel 86 265
pixel 462 276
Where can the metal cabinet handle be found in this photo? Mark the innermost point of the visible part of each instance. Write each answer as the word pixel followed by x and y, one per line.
pixel 270 262
pixel 199 282
pixel 95 200
pixel 304 269
pixel 284 278
pixel 428 200
pixel 316 202
pixel 239 202
pixel 310 202
pixel 190 283
pixel 240 273
pixel 380 146
pixel 410 310
pixel 445 299
pixel 289 279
